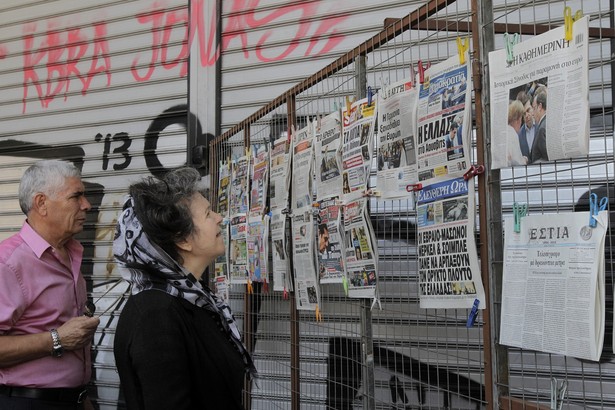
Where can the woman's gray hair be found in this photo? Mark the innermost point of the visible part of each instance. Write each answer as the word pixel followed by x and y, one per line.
pixel 163 207
pixel 47 177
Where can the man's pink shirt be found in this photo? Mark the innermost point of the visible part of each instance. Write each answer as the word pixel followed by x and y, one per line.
pixel 39 293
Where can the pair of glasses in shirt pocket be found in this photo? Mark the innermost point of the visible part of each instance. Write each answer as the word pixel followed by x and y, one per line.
pixel 90 307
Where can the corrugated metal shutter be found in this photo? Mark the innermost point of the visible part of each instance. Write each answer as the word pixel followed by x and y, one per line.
pixel 102 84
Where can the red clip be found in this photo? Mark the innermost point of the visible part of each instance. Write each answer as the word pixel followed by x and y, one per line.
pixel 285 294
pixel 473 171
pixel 265 286
pixel 422 70
pixel 414 187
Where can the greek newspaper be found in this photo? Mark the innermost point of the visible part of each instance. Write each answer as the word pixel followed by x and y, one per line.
pixel 360 253
pixel 307 291
pixel 444 121
pixel 280 258
pixel 396 156
pixel 259 179
pixel 302 164
pixel 330 245
pixel 357 145
pixel 449 274
pixel 553 284
pixel 328 162
pixel 540 98
pixel 279 167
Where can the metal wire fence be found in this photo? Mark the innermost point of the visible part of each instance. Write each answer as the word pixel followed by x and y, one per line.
pixel 396 355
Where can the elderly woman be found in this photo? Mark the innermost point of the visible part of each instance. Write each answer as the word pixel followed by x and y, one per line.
pixel 176 345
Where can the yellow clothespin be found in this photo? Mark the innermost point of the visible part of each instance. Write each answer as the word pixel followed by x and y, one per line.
pixel 568 20
pixel 462 47
pixel 249 287
pixel 318 314
pixel 348 104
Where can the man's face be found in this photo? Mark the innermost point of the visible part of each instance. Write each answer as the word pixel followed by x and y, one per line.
pixel 529 115
pixel 67 208
pixel 323 241
pixel 537 111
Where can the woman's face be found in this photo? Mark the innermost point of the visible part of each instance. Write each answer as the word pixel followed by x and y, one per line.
pixel 206 242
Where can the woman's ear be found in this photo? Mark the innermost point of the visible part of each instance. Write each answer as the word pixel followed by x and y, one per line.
pixel 185 245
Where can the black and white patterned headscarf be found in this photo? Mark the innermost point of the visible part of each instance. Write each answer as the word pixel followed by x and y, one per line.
pixel 145 266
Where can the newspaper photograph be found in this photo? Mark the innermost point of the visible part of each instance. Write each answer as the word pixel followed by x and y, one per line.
pixel 238 204
pixel 279 168
pixel 280 255
pixel 221 288
pixel 449 273
pixel 360 253
pixel 307 290
pixel 328 157
pixel 257 239
pixel 541 92
pixel 444 131
pixel 357 144
pixel 221 263
pixel 238 255
pixel 396 156
pixel 330 242
pixel 302 166
pixel 553 296
pixel 259 179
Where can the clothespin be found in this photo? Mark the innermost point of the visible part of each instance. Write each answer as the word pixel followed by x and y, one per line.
pixel 558 392
pixel 519 211
pixel 422 69
pixel 249 287
pixel 375 302
pixel 318 314
pixel 595 207
pixel 462 47
pixel 473 313
pixel 414 187
pixel 509 42
pixel 369 96
pixel 285 293
pixel 371 192
pixel 567 23
pixel 473 171
pixel 265 286
pixel 348 104
pixel 345 284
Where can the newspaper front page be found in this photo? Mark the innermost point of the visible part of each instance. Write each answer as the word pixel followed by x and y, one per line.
pixel 360 252
pixel 307 290
pixel 396 156
pixel 330 244
pixel 553 297
pixel 357 145
pixel 239 186
pixel 280 255
pixel 224 180
pixel 279 180
pixel 259 179
pixel 238 258
pixel 449 273
pixel 257 248
pixel 444 121
pixel 540 101
pixel 303 166
pixel 328 165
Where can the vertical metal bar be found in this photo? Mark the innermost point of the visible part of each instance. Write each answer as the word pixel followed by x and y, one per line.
pixel 295 386
pixel 490 211
pixel 367 340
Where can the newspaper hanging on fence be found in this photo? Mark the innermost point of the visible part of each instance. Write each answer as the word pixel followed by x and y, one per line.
pixel 328 157
pixel 259 179
pixel 302 165
pixel 444 121
pixel 449 273
pixel 360 250
pixel 307 291
pixel 238 258
pixel 553 296
pixel 357 145
pixel 280 256
pixel 540 100
pixel 330 244
pixel 279 168
pixel 396 156
pixel 221 264
pixel 257 240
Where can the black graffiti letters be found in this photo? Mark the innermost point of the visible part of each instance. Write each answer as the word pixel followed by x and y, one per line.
pixel 120 151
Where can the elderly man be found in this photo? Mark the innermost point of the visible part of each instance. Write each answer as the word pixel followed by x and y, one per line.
pixel 45 338
pixel 539 105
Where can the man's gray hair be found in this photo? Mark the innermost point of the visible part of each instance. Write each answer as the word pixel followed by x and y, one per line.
pixel 47 177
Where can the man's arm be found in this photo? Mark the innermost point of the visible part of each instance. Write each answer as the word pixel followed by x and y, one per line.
pixel 74 334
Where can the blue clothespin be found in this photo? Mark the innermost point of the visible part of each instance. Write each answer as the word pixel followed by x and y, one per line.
pixel 509 41
pixel 473 313
pixel 519 211
pixel 595 207
pixel 369 96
